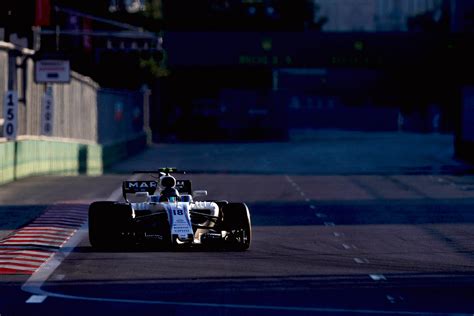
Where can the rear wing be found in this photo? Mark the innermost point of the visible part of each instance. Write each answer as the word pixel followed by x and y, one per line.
pixel 129 187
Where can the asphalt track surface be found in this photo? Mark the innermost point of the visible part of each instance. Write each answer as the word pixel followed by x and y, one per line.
pixel 333 241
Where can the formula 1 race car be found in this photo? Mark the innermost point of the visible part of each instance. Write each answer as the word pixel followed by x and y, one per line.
pixel 168 216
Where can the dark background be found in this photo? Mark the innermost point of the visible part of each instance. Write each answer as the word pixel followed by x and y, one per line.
pixel 233 70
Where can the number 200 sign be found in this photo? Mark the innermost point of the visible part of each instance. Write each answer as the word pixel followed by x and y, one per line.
pixel 10 115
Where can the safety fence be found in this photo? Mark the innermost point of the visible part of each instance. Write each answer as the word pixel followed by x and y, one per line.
pixel 91 127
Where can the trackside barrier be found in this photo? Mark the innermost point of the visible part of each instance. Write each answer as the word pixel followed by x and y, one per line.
pixel 29 157
pixel 32 156
pixel 92 127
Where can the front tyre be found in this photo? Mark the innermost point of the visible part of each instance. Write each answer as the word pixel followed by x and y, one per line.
pixel 236 221
pixel 107 223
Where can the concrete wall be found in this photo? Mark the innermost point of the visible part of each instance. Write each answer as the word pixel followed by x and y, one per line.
pixel 88 132
pixel 32 156
pixel 7 154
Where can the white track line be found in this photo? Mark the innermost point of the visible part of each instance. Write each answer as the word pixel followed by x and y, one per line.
pixel 36 299
pixel 242 306
pixel 37 279
pixel 377 277
pixel 361 260
pixel 34 283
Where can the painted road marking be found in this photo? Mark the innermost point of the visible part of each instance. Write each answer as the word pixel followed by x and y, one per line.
pixel 346 246
pixel 52 225
pixel 35 253
pixel 34 286
pixel 72 215
pixel 300 191
pixel 37 238
pixel 16 269
pixel 377 277
pixel 26 250
pixel 361 260
pixel 66 219
pixel 43 235
pixel 331 224
pixel 39 276
pixel 32 243
pixel 36 299
pixel 38 291
pixel 26 258
pixel 27 263
pixel 394 299
pixel 320 215
pixel 74 220
pixel 59 277
pixel 336 234
pixel 57 230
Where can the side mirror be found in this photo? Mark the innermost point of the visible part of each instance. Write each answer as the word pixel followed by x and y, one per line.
pixel 200 193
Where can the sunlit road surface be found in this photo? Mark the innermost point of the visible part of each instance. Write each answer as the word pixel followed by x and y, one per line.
pixel 369 237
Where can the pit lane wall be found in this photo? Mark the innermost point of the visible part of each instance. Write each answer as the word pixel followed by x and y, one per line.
pixel 92 127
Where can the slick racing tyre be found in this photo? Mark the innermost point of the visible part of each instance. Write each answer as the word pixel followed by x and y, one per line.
pixel 107 223
pixel 236 221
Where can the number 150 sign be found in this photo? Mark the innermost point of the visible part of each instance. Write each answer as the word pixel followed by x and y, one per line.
pixel 10 115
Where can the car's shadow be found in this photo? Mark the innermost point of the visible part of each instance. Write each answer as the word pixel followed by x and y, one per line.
pixel 152 248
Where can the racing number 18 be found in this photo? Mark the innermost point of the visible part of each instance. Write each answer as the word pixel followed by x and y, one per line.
pixel 178 212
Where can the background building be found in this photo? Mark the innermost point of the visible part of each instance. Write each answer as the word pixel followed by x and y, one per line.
pixel 374 15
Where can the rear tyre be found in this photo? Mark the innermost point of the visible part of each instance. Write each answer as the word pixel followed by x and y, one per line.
pixel 108 221
pixel 236 221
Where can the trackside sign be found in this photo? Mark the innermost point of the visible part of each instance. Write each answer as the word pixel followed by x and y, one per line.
pixel 10 114
pixel 47 112
pixel 52 71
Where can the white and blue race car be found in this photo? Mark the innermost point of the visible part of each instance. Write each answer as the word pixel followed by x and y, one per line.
pixel 167 215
